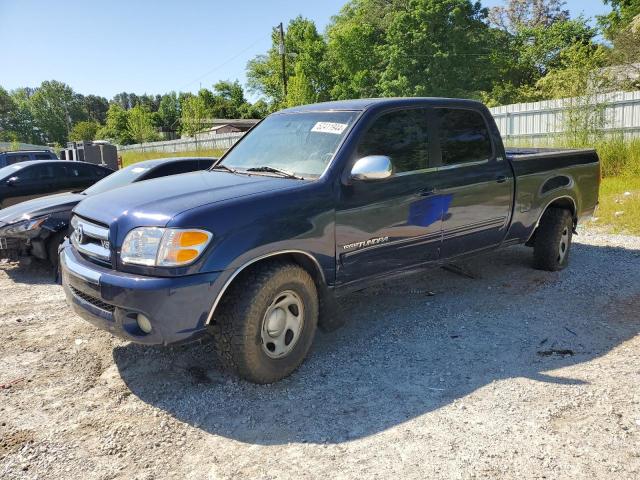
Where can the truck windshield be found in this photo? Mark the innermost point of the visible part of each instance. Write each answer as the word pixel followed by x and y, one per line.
pixel 300 143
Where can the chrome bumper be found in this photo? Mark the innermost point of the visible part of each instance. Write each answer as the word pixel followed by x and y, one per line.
pixel 79 270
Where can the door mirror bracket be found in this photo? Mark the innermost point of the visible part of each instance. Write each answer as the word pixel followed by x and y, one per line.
pixel 372 168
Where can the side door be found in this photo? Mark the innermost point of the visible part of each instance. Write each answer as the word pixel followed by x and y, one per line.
pixel 79 176
pixel 395 223
pixel 477 183
pixel 61 178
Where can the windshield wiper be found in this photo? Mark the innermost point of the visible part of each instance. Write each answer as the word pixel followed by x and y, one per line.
pixel 282 173
pixel 222 166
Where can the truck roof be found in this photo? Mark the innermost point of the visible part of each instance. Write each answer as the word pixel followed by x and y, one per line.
pixel 367 103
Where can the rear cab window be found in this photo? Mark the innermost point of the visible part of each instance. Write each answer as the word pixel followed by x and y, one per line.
pixel 463 135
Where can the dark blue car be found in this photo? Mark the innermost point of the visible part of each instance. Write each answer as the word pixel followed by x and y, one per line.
pixel 314 202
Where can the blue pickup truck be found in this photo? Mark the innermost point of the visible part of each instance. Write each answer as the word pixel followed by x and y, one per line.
pixel 313 203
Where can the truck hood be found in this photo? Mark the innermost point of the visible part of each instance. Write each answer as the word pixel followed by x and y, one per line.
pixel 155 202
pixel 40 206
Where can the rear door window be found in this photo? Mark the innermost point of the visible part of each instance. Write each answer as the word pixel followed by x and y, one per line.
pixel 463 135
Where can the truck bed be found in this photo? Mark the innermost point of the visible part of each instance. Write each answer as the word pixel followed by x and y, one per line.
pixel 544 175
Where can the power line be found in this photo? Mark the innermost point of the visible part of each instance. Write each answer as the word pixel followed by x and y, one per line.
pixel 217 67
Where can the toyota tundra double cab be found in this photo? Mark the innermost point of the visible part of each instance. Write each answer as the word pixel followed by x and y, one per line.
pixel 313 203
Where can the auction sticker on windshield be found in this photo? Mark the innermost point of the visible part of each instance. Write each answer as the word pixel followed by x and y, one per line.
pixel 329 127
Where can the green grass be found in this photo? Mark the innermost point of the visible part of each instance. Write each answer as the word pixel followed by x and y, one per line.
pixel 619 209
pixel 618 157
pixel 129 158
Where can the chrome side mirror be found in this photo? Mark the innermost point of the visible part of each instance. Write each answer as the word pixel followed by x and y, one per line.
pixel 12 181
pixel 372 168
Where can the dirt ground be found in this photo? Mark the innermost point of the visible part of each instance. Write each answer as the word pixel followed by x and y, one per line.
pixel 515 373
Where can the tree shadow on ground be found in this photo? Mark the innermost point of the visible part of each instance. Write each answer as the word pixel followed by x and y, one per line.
pixel 409 347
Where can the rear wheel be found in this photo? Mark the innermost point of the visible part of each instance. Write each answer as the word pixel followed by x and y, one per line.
pixel 553 240
pixel 266 322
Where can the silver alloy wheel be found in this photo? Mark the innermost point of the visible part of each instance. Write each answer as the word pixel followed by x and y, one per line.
pixel 282 324
pixel 564 245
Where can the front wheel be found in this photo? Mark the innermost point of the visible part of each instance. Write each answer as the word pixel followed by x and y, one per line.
pixel 553 240
pixel 266 322
pixel 53 244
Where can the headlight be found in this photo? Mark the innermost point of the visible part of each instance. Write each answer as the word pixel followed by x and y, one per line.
pixel 163 247
pixel 25 225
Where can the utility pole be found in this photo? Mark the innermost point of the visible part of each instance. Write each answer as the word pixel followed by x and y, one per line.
pixel 282 53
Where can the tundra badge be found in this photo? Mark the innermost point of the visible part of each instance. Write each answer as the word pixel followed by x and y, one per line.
pixel 366 243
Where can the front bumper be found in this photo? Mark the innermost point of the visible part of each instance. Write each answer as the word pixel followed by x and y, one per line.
pixel 12 247
pixel 177 307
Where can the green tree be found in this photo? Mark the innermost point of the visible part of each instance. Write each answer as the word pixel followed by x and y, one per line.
pixel 194 115
pixel 117 126
pixel 55 107
pixel 96 108
pixel 437 48
pixel 140 124
pixel 622 14
pixel 22 125
pixel 625 57
pixel 85 130
pixel 355 59
pixel 518 14
pixel 300 90
pixel 228 100
pixel 523 58
pixel 169 111
pixel 8 110
pixel 305 49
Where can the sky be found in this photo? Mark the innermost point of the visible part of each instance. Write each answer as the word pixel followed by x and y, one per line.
pixel 145 46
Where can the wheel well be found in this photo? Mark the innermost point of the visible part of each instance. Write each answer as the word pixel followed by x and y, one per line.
pixel 565 203
pixel 309 264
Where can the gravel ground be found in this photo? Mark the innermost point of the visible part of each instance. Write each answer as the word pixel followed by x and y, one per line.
pixel 515 373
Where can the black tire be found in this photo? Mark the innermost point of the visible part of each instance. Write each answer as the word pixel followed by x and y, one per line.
pixel 553 240
pixel 52 253
pixel 238 322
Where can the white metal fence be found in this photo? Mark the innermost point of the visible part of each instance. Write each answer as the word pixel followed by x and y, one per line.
pixel 538 122
pixel 201 141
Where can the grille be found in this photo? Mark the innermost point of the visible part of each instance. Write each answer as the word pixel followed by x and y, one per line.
pixel 91 240
pixel 96 302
